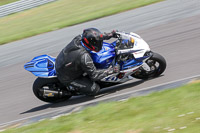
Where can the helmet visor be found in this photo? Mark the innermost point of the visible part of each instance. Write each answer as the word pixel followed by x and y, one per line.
pixel 98 45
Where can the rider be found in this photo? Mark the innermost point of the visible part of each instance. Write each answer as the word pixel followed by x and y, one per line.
pixel 74 61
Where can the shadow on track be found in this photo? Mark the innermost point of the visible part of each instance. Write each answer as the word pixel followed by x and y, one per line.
pixel 81 99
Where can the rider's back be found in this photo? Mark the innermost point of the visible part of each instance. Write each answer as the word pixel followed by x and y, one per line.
pixel 68 62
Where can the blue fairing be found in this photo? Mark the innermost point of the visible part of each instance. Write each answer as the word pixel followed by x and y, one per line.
pixel 104 58
pixel 42 66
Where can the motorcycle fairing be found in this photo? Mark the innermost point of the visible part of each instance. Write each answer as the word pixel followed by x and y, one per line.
pixel 104 58
pixel 42 66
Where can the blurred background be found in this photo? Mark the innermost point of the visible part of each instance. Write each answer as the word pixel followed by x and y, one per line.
pixel 31 28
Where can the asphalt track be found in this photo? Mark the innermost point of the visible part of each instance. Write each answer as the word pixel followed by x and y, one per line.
pixel 171 28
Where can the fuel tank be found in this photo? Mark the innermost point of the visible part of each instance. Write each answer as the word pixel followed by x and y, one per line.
pixel 104 58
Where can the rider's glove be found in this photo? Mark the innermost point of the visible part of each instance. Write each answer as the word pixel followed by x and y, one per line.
pixel 115 69
pixel 107 36
pixel 114 33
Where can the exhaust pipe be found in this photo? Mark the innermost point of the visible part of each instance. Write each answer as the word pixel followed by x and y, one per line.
pixel 54 93
pixel 50 93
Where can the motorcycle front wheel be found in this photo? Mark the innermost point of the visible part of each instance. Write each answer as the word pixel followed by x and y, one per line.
pixel 157 63
pixel 51 84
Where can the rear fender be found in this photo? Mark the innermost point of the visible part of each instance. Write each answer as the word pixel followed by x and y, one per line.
pixel 42 66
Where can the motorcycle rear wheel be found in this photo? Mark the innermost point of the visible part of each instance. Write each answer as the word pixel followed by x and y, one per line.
pixel 41 83
pixel 157 63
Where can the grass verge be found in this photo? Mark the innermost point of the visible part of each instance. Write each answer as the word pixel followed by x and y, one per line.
pixel 59 14
pixel 176 110
pixel 3 2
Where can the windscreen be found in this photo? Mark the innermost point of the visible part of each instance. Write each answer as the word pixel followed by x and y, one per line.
pixel 126 40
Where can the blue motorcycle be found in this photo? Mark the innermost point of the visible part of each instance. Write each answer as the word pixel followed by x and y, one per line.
pixel 129 51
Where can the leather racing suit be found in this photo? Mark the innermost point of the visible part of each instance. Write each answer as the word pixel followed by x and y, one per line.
pixel 72 62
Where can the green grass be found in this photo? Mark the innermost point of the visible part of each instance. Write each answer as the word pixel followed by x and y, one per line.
pixel 3 2
pixel 155 113
pixel 59 14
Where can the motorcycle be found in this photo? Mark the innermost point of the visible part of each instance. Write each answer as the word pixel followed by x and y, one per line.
pixel 129 51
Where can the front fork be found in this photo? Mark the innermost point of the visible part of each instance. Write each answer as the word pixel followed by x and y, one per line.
pixel 145 66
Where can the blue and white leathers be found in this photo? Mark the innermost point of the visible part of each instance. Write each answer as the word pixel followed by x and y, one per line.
pixel 44 65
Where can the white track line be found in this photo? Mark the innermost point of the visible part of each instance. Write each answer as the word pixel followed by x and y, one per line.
pixel 85 103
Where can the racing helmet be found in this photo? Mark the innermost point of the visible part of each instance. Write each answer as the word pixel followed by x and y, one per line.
pixel 92 38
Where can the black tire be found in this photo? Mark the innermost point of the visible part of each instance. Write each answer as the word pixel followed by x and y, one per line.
pixel 156 59
pixel 40 83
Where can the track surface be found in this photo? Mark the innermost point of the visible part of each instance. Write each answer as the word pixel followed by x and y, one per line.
pixel 172 28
